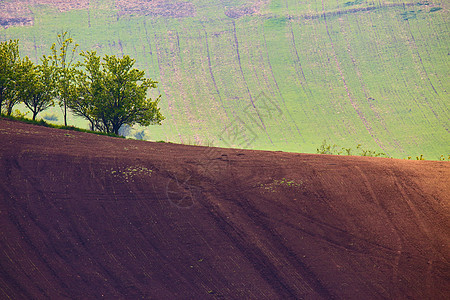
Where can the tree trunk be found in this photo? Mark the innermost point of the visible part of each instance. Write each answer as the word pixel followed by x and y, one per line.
pixel 35 112
pixel 1 99
pixel 65 113
pixel 115 129
pixel 9 111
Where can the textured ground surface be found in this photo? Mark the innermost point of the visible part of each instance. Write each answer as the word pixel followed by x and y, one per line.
pixel 85 216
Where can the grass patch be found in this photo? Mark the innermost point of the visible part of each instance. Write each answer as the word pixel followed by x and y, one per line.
pixel 409 15
pixel 361 77
pixel 42 122
pixel 433 9
pixel 351 3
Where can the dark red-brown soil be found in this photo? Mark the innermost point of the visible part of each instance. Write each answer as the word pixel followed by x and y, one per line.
pixel 85 216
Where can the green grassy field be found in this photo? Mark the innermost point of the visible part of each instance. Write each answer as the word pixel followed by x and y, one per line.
pixel 284 78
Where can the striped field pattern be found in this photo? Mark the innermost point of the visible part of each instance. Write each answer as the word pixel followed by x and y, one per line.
pixel 277 75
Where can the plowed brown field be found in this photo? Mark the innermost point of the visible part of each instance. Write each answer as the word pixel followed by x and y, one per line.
pixel 85 216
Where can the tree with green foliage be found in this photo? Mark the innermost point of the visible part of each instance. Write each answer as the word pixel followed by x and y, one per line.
pixel 9 62
pixel 111 93
pixel 62 60
pixel 36 85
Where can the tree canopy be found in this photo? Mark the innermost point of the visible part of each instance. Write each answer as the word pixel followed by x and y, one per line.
pixel 36 85
pixel 9 63
pixel 63 58
pixel 110 93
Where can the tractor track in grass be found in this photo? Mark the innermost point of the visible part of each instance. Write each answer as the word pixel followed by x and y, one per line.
pixel 35 48
pixel 213 79
pixel 374 44
pixel 395 92
pixel 352 102
pixel 428 54
pixel 257 54
pixel 236 44
pixel 276 84
pixel 120 47
pixel 413 46
pixel 362 84
pixel 147 38
pixel 149 54
pixel 162 74
pixel 209 86
pixel 340 12
pixel 174 72
pixel 89 13
pixel 297 58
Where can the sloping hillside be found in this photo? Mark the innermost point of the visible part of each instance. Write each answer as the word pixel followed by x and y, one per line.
pixel 85 217
pixel 272 75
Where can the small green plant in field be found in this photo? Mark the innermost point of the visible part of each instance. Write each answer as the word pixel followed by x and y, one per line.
pixel 347 151
pixel 334 149
pixel 286 182
pixel 433 9
pixel 365 152
pixel 423 3
pixel 283 182
pixel 129 173
pixel 441 158
pixel 351 3
pixel 444 158
pixel 326 148
pixel 409 15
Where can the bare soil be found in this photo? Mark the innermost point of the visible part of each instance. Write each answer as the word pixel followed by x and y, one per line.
pixel 85 216
pixel 251 7
pixel 164 8
pixel 19 12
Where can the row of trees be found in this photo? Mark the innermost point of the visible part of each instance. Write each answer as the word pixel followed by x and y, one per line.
pixel 108 92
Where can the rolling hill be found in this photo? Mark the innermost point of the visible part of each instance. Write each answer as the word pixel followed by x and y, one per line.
pixel 273 75
pixel 87 217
